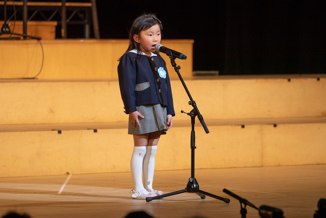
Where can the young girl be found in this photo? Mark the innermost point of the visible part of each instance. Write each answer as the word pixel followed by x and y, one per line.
pixel 146 93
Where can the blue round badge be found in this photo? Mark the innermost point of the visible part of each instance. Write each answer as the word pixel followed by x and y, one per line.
pixel 162 72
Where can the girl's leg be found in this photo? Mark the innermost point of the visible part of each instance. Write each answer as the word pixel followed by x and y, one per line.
pixel 149 160
pixel 137 159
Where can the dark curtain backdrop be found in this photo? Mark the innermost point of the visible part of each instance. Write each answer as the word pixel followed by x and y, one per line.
pixel 275 37
pixel 235 37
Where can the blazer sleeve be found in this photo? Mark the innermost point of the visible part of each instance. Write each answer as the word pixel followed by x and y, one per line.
pixel 127 82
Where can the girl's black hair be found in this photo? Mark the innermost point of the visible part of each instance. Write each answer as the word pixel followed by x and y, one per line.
pixel 141 23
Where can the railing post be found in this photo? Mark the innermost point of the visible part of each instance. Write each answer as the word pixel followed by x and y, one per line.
pixel 63 20
pixel 95 20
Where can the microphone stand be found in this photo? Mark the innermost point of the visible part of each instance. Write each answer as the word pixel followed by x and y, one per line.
pixel 243 203
pixel 192 186
pixel 5 27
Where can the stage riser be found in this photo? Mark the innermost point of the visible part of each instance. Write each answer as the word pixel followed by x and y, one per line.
pixel 77 59
pixel 33 102
pixel 27 105
pixel 109 150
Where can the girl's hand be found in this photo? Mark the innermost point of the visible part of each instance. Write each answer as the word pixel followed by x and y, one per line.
pixel 169 121
pixel 133 116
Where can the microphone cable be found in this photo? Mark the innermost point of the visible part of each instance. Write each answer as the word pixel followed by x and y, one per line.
pixel 40 70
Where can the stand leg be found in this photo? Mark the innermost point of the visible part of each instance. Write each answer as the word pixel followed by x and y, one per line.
pixel 226 200
pixel 243 212
pixel 165 195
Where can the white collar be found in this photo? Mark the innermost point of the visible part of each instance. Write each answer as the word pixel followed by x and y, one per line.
pixel 142 53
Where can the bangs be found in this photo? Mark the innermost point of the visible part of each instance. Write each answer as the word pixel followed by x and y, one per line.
pixel 145 22
pixel 151 21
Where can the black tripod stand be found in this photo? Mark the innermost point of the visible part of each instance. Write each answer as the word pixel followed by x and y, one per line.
pixel 192 186
pixel 5 27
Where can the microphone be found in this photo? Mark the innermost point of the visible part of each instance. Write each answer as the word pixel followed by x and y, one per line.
pixel 169 52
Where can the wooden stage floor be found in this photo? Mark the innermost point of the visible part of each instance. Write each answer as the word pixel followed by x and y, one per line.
pixel 294 189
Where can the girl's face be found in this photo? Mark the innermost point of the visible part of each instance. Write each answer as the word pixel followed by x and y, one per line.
pixel 148 39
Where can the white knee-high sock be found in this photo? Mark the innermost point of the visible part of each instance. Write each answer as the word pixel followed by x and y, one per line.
pixel 149 166
pixel 136 165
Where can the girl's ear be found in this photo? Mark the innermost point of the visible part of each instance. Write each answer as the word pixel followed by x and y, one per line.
pixel 136 38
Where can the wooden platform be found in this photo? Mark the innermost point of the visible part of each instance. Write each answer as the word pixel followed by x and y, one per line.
pixel 295 190
pixel 77 59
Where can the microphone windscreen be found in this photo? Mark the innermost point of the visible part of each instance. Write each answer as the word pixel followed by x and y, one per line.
pixel 157 47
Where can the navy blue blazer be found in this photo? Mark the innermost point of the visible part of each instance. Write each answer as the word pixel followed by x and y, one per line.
pixel 138 84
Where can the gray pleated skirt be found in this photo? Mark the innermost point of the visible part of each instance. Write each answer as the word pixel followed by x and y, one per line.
pixel 154 120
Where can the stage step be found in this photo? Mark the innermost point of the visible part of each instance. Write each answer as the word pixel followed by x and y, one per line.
pixel 182 123
pixel 34 153
pixel 51 127
pixel 88 101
